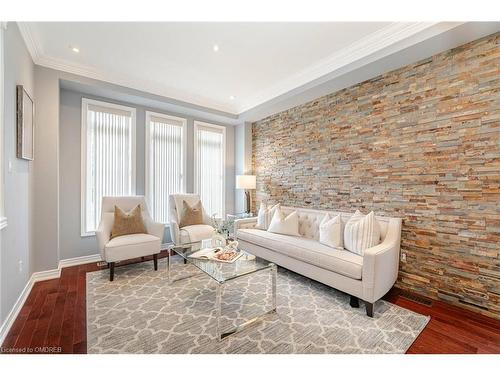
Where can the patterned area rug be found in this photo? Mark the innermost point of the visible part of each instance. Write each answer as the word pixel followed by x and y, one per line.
pixel 140 312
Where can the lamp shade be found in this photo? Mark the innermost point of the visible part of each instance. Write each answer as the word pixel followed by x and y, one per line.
pixel 245 181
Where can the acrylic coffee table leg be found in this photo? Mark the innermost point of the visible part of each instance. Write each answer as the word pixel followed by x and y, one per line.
pixel 218 306
pixel 221 335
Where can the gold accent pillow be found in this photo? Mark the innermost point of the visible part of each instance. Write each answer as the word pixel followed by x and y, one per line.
pixel 191 215
pixel 128 222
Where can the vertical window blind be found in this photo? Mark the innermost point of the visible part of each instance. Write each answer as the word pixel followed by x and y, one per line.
pixel 165 162
pixel 108 157
pixel 210 160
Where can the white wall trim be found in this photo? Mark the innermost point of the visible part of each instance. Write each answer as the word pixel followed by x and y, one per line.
pixel 388 40
pixel 379 44
pixel 36 277
pixel 79 260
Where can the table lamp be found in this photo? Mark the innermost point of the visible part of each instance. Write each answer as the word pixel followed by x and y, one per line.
pixel 247 182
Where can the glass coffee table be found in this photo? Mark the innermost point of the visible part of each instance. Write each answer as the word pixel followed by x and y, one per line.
pixel 223 272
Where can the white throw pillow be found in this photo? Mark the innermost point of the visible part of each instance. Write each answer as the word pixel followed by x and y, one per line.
pixel 265 214
pixel 284 225
pixel 261 216
pixel 330 232
pixel 361 232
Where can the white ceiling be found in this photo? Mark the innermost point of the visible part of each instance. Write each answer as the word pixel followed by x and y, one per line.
pixel 255 63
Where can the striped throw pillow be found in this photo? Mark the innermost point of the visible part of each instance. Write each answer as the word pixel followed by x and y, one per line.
pixel 361 232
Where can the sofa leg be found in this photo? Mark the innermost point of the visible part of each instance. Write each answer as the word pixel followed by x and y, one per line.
pixel 369 309
pixel 185 261
pixel 354 302
pixel 155 261
pixel 111 271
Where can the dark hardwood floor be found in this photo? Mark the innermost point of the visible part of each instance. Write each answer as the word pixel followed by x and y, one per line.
pixel 54 316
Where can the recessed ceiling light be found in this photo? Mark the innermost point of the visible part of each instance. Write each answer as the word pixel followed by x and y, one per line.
pixel 216 47
pixel 75 49
pixel 231 97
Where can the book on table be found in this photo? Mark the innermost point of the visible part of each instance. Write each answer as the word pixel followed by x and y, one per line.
pixel 218 254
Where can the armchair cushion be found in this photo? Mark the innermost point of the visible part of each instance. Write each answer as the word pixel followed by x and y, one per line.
pixel 127 222
pixel 131 246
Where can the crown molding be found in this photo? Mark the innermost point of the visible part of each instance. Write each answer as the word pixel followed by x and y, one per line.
pixel 385 41
pixel 40 58
pixel 361 52
pixel 136 84
pixel 31 41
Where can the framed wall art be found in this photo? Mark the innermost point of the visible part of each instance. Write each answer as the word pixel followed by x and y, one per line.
pixel 25 124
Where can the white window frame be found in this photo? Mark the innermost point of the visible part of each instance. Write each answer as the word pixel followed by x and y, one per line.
pixel 85 104
pixel 150 114
pixel 198 124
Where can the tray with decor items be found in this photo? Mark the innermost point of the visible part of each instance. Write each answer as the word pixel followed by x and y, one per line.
pixel 226 254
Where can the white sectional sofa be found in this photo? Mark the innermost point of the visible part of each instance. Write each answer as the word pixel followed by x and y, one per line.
pixel 367 277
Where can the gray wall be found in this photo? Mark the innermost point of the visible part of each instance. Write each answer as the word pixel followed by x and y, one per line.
pixel 15 244
pixel 71 243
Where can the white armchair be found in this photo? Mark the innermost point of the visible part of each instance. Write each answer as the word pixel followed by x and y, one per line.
pixel 132 245
pixel 190 233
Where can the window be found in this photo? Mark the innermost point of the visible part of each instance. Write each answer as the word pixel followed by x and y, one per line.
pixel 165 161
pixel 108 157
pixel 209 166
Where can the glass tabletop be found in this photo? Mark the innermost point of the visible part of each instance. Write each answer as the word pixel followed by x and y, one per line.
pixel 220 271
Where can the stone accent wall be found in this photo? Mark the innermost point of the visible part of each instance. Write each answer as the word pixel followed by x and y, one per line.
pixel 422 143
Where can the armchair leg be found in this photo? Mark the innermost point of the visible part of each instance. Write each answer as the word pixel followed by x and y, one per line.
pixel 185 261
pixel 111 271
pixel 369 309
pixel 155 261
pixel 354 302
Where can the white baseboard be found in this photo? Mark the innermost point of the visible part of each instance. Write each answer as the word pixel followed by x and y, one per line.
pixel 79 260
pixel 40 276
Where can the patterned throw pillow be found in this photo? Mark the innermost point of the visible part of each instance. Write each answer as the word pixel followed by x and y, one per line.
pixel 330 232
pixel 191 215
pixel 361 232
pixel 288 225
pixel 128 222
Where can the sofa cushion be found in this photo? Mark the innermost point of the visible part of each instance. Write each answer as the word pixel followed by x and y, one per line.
pixel 131 246
pixel 307 250
pixel 265 214
pixel 361 232
pixel 284 225
pixel 330 232
pixel 194 233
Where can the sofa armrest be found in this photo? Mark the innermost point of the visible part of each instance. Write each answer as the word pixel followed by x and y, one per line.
pixel 381 264
pixel 245 223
